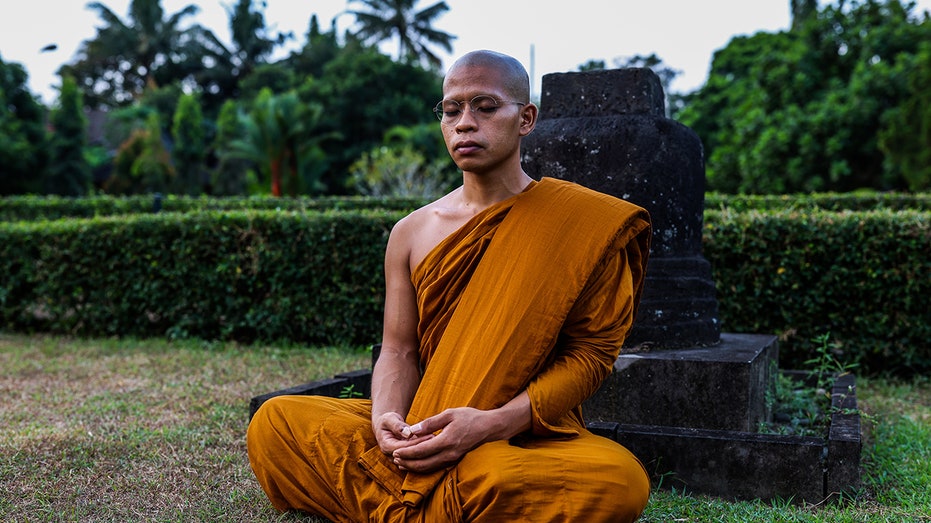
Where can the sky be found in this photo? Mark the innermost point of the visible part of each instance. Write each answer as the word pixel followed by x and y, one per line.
pixel 547 37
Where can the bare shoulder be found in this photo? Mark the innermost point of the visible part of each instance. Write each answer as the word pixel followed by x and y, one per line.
pixel 417 220
pixel 419 232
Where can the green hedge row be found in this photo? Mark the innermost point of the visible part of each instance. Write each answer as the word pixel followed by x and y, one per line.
pixel 855 201
pixel 34 208
pixel 31 208
pixel 314 278
pixel 260 275
pixel 864 278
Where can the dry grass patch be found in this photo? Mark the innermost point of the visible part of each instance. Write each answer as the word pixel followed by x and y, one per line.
pixel 111 430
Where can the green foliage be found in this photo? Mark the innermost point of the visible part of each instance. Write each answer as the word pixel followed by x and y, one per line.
pixel 266 275
pixel 138 64
pixel 852 201
pixel 804 110
pixel 125 58
pixel 69 172
pixel 40 208
pixel 142 164
pixel 862 276
pixel 384 20
pixel 360 107
pixel 281 136
pixel 229 177
pixel 906 136
pixel 210 267
pixel 23 151
pixel 274 77
pixel 349 391
pixel 190 149
pixel 231 67
pixel 319 49
pixel 797 409
pixel 802 399
pixel 400 173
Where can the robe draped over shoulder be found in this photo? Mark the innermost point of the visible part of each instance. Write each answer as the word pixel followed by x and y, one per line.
pixel 535 293
pixel 494 296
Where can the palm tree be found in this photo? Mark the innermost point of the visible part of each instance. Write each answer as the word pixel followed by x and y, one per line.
pixel 276 135
pixel 126 57
pixel 252 44
pixel 387 19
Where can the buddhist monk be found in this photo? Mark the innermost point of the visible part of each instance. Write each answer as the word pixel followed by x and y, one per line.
pixel 506 304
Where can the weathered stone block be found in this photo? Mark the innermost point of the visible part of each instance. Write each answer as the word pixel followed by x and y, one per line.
pixel 722 387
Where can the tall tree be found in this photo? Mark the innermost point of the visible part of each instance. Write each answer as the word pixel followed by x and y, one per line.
pixel 229 176
pixel 803 110
pixel 802 11
pixel 23 153
pixel 278 134
pixel 143 163
pixel 320 47
pixel 366 94
pixel 69 172
pixel 252 45
pixel 384 20
pixel 126 57
pixel 189 150
pixel 906 136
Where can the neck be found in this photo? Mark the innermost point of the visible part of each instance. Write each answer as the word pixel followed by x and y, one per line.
pixel 480 191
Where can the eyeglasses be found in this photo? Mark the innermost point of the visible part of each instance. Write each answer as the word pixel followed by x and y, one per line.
pixel 482 106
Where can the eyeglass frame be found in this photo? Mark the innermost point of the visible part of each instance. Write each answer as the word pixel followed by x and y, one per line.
pixel 440 113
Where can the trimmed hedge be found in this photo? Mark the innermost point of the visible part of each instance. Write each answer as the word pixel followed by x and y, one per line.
pixel 864 278
pixel 305 277
pixel 855 201
pixel 316 278
pixel 33 208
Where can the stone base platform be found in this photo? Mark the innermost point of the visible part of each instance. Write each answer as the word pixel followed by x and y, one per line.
pixel 722 387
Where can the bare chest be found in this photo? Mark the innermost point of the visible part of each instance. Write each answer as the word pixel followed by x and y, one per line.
pixel 435 227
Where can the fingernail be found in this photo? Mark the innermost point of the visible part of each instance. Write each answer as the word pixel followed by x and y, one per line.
pixel 406 432
pixel 415 428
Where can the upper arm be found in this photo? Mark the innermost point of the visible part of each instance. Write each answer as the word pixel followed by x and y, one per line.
pixel 400 315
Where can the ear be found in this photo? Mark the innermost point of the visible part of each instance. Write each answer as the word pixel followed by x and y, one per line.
pixel 528 118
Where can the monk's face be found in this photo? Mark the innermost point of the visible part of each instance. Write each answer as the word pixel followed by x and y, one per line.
pixel 482 140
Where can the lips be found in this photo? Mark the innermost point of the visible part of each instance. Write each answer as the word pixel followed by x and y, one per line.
pixel 467 147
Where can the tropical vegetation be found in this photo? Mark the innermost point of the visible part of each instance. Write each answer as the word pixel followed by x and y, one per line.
pixel 836 102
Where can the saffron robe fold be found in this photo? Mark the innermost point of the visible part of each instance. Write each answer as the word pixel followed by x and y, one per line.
pixel 520 265
pixel 535 293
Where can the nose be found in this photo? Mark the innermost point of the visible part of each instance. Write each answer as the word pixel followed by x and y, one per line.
pixel 466 120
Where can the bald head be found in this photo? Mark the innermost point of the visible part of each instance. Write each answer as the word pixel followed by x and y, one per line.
pixel 515 80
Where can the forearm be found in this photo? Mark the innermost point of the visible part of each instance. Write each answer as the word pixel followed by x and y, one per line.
pixel 510 419
pixel 395 379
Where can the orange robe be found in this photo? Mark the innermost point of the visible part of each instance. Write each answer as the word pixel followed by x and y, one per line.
pixel 537 292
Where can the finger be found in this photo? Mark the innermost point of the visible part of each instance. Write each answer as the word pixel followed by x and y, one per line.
pixel 433 423
pixel 418 448
pixel 412 430
pixel 422 465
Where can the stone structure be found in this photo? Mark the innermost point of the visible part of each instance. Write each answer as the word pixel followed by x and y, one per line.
pixel 607 130
pixel 685 397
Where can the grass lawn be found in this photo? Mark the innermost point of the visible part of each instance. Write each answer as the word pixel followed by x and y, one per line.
pixel 147 430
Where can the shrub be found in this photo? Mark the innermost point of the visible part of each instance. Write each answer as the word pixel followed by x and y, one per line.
pixel 310 278
pixel 860 276
pixel 216 270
